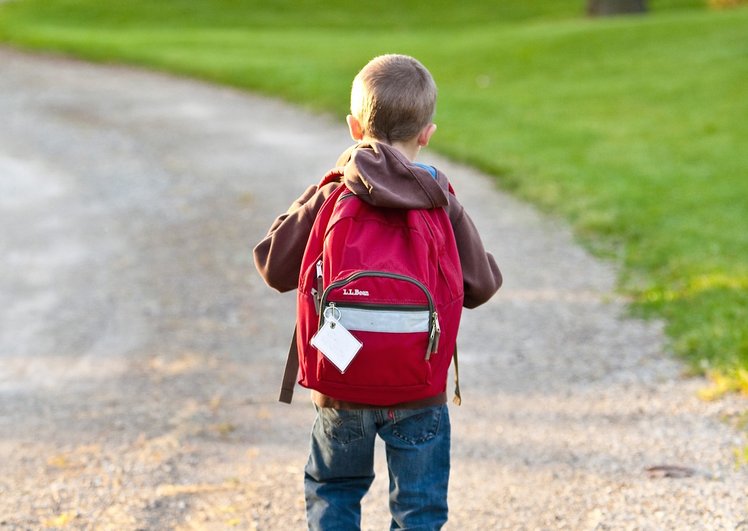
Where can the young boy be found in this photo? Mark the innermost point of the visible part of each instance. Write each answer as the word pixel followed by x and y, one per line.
pixel 392 106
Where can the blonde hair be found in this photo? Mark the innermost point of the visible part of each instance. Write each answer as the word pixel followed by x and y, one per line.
pixel 393 97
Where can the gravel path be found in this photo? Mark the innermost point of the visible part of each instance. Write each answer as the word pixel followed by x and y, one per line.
pixel 140 355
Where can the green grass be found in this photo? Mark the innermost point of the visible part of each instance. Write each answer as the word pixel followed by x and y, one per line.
pixel 633 128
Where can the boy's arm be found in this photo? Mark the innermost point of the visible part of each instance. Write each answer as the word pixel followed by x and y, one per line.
pixel 480 274
pixel 278 256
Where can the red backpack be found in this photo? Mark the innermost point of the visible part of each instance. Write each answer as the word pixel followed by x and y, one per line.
pixel 382 289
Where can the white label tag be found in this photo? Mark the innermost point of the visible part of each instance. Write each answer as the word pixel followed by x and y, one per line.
pixel 336 343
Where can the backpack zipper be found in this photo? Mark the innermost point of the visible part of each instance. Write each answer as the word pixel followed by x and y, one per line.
pixel 383 307
pixel 434 328
pixel 380 274
pixel 317 292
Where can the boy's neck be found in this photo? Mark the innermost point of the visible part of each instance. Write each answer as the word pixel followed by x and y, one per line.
pixel 409 149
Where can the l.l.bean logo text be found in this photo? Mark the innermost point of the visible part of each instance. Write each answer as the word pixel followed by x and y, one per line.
pixel 355 292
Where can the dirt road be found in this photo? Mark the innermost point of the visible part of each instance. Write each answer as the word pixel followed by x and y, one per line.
pixel 140 354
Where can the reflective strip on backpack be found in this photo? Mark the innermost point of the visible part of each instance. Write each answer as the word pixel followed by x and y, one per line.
pixel 390 321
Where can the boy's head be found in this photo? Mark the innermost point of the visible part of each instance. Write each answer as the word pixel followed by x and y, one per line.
pixel 393 99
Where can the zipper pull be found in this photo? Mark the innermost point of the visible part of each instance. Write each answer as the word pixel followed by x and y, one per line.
pixel 436 331
pixel 317 293
pixel 332 317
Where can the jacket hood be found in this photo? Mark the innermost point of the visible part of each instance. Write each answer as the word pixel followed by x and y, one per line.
pixel 382 176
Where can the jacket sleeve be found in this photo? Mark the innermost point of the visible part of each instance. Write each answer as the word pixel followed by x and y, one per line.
pixel 481 275
pixel 278 255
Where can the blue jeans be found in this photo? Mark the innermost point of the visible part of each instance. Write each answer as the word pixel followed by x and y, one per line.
pixel 341 466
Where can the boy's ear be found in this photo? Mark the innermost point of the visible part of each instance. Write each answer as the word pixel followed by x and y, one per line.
pixel 354 126
pixel 425 135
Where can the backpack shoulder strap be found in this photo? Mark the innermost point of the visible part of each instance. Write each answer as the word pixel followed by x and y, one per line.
pixel 291 371
pixel 458 396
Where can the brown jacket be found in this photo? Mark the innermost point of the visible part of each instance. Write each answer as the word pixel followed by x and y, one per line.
pixel 381 176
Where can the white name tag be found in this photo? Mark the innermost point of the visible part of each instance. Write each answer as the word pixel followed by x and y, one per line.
pixel 336 343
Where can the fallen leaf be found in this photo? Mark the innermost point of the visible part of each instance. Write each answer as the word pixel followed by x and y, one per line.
pixel 59 461
pixel 671 471
pixel 224 429
pixel 61 520
pixel 196 488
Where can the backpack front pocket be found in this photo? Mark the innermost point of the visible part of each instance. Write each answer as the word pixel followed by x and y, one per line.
pixel 393 317
pixel 387 360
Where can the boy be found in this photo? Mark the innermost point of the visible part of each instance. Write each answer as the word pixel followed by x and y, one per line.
pixel 392 106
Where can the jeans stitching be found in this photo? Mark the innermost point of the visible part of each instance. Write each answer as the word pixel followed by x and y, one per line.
pixel 432 431
pixel 342 427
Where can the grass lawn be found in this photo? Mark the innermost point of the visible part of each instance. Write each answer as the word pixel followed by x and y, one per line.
pixel 633 128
